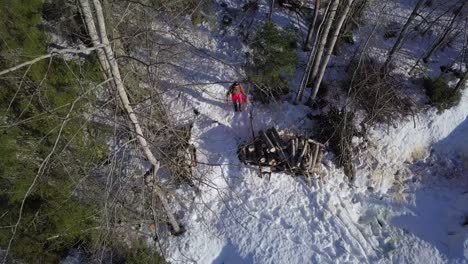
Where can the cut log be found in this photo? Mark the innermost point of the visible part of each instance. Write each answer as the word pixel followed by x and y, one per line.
pixel 258 151
pixel 308 166
pixel 314 159
pixel 316 143
pixel 319 159
pixel 292 153
pixel 242 154
pixel 278 142
pixel 303 152
pixel 251 148
pixel 274 136
pixel 306 159
pixel 266 171
pixel 269 144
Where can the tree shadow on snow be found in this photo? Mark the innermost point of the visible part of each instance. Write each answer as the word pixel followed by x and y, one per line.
pixel 455 144
pixel 189 93
pixel 220 141
pixel 440 209
pixel 230 255
pixel 438 220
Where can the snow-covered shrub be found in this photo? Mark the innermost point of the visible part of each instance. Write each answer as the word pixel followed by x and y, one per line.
pixel 440 94
pixel 274 60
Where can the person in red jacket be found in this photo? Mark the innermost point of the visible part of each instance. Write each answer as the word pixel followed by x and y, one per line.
pixel 237 96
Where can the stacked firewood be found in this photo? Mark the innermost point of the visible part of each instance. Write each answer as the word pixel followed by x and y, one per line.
pixel 296 155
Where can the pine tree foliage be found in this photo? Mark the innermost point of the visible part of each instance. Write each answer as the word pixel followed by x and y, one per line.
pixel 34 104
pixel 274 60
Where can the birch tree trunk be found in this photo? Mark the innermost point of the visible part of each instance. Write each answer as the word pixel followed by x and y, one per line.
pixel 95 40
pixel 310 60
pixel 310 32
pixel 403 32
pixel 115 71
pixel 324 38
pixel 331 46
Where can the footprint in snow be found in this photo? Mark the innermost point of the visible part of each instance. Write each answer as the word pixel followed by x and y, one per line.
pixel 266 216
pixel 285 224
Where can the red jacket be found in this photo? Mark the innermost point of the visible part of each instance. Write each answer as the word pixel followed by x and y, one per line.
pixel 231 91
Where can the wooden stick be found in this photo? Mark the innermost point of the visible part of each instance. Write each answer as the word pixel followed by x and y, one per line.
pixel 270 146
pixel 304 151
pixel 273 134
pixel 315 142
pixel 258 150
pixel 293 151
pixel 251 148
pixel 314 159
pixel 319 159
pixel 53 53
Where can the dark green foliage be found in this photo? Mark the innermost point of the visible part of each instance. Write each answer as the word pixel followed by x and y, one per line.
pixel 274 60
pixel 440 94
pixel 38 104
pixel 64 19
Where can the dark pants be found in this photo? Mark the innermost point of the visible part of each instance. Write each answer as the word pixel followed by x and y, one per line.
pixel 237 106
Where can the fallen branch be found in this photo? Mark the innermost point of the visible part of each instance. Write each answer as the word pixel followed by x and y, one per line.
pixel 52 54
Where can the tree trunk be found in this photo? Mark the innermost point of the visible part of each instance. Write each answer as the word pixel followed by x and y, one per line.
pixel 324 65
pixel 272 7
pixel 324 38
pixel 95 40
pixel 310 32
pixel 114 69
pixel 447 30
pixel 310 60
pixel 403 32
pixel 305 78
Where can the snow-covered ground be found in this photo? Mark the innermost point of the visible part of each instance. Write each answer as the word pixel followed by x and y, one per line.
pixel 241 218
pixel 407 205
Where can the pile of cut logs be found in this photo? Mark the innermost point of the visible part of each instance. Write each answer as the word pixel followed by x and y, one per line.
pixel 296 155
